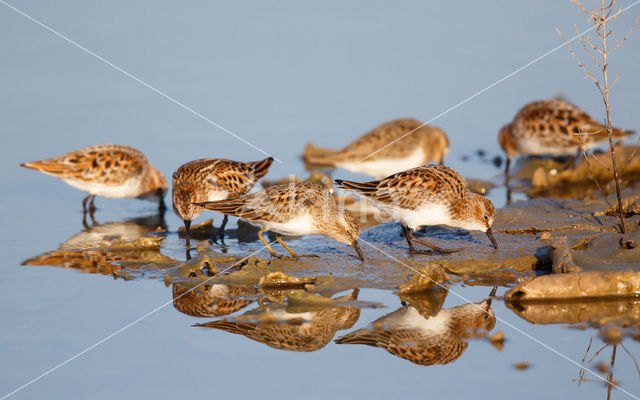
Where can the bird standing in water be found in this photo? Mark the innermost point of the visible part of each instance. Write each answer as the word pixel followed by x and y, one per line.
pixel 107 170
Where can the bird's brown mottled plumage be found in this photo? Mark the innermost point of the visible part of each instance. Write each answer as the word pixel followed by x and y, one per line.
pixel 412 188
pixel 552 127
pixel 102 169
pixel 307 333
pixel 212 179
pixel 407 334
pixel 427 195
pixel 293 209
pixel 388 141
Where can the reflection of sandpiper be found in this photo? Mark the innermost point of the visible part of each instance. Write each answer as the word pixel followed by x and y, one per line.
pixel 105 248
pixel 389 148
pixel 107 170
pixel 209 300
pixel 307 331
pixel 439 339
pixel 210 180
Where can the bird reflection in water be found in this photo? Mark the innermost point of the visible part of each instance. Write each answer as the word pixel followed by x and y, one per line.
pixel 423 338
pixel 210 300
pixel 105 248
pixel 272 325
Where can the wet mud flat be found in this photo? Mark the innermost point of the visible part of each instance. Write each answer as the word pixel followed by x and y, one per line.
pixel 221 281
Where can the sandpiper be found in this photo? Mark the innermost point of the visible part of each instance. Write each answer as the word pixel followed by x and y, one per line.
pixel 293 210
pixel 274 326
pixel 428 195
pixel 438 339
pixel 389 148
pixel 107 170
pixel 212 179
pixel 552 127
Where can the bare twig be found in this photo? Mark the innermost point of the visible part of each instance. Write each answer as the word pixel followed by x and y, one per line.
pixel 600 17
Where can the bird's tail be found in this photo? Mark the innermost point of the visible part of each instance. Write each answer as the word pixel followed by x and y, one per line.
pixel 362 188
pixel 361 336
pixel 260 168
pixel 319 156
pixel 48 167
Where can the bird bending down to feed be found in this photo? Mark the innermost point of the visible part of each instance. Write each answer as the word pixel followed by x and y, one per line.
pixel 391 147
pixel 552 127
pixel 107 170
pixel 293 210
pixel 212 179
pixel 424 196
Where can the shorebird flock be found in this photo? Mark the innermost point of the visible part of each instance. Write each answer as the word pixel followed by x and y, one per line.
pixel 404 156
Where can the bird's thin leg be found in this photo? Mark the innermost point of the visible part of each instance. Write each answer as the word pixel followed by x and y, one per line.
pixel 294 255
pixel 84 221
pixel 187 233
pixel 273 253
pixel 408 235
pixel 430 245
pixel 84 204
pixel 92 205
pixel 220 231
pixel 161 206
pixel 507 164
pixel 506 180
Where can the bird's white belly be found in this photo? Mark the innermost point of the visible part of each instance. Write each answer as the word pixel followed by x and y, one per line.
pixel 130 188
pixel 383 167
pixel 217 195
pixel 426 215
pixel 302 225
pixel 533 147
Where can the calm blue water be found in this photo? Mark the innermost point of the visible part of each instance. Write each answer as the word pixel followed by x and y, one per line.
pixel 279 75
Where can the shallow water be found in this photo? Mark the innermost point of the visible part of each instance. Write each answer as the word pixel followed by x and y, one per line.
pixel 278 76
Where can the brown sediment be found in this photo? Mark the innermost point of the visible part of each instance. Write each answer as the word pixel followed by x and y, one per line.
pixel 427 277
pixel 551 178
pixel 577 285
pixel 575 311
pixel 561 259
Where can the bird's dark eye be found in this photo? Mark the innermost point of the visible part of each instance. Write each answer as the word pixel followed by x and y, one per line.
pixel 486 317
pixel 348 232
pixel 486 217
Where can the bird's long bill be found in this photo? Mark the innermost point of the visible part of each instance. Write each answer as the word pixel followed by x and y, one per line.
pixel 357 247
pixel 493 241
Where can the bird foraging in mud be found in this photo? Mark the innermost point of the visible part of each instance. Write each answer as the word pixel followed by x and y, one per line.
pixel 391 147
pixel 424 196
pixel 293 210
pixel 107 170
pixel 210 180
pixel 552 127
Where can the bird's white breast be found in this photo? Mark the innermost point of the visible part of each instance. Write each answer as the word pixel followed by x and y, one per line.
pixel 533 147
pixel 130 188
pixel 383 167
pixel 425 215
pixel 301 225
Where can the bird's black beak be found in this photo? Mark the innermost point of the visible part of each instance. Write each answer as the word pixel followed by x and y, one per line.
pixel 490 298
pixel 493 241
pixel 357 247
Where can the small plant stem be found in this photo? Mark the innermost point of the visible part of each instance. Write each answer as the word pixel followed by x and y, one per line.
pixel 603 23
